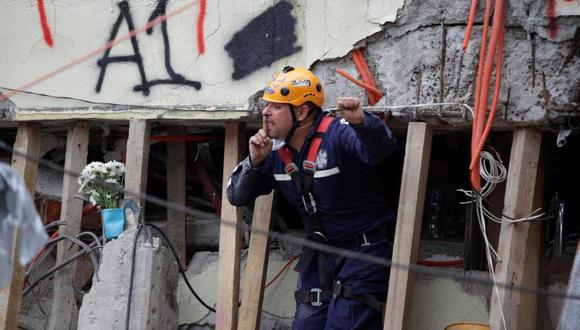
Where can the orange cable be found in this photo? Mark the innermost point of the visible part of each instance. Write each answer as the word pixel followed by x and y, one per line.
pixel 470 20
pixel 488 69
pixel 363 68
pixel 475 179
pixel 357 82
pixel 496 92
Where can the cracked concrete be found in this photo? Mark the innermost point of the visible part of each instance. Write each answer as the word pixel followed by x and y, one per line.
pixel 405 60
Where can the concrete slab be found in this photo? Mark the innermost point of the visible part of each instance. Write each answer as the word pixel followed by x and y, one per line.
pixel 153 298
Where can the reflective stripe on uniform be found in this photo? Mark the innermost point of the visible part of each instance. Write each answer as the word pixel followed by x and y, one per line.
pixel 318 174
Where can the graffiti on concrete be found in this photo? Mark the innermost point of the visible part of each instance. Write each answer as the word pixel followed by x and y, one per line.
pixel 264 40
pixel 200 20
pixel 144 87
pixel 44 23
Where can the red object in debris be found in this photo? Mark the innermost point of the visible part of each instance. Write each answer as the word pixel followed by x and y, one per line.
pixel 440 263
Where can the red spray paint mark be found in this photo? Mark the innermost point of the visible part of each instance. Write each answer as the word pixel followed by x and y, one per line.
pixel 44 23
pixel 200 19
pixel 551 13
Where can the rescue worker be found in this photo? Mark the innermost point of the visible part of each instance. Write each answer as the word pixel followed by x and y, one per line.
pixel 326 170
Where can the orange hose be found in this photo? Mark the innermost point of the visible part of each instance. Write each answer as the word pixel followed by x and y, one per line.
pixel 488 68
pixel 363 68
pixel 475 179
pixel 356 58
pixel 359 83
pixel 470 20
pixel 486 80
pixel 496 92
pixel 482 48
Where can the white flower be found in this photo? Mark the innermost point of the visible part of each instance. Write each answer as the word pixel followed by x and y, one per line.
pixel 91 183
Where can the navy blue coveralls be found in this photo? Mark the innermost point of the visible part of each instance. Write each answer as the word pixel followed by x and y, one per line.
pixel 352 208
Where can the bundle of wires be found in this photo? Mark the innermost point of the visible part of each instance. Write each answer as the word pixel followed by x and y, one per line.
pixel 492 171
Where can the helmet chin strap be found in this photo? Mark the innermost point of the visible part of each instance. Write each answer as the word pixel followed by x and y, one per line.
pixel 295 124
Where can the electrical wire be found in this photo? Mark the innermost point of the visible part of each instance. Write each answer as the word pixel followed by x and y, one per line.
pixel 282 270
pixel 131 277
pixel 301 241
pixel 180 267
pixel 55 269
pixel 493 172
pixel 51 245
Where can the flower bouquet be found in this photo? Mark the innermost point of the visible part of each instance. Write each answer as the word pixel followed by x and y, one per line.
pixel 102 184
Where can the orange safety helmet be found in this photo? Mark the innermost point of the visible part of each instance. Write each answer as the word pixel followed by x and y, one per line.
pixel 295 86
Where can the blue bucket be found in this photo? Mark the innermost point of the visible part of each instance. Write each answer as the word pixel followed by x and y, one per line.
pixel 113 222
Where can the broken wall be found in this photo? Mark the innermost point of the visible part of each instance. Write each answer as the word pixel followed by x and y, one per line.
pixel 215 56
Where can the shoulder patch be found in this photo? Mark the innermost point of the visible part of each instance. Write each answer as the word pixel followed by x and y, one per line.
pixel 321 159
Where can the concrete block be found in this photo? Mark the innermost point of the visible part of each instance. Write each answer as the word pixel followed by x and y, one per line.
pixel 153 299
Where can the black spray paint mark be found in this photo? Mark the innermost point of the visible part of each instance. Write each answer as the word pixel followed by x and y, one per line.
pixel 266 39
pixel 175 79
pixel 136 58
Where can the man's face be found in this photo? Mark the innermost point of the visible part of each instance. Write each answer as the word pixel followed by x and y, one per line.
pixel 278 119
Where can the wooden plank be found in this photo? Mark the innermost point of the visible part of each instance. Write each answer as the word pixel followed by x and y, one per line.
pixel 569 317
pixel 230 237
pixel 176 191
pixel 28 142
pixel 257 265
pixel 137 159
pixel 519 243
pixel 407 234
pixel 64 307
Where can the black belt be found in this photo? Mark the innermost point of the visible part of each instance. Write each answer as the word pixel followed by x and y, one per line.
pixel 367 238
pixel 385 231
pixel 314 296
pixel 363 298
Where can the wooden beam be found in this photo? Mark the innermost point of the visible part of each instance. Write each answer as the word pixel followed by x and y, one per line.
pixel 519 243
pixel 256 265
pixel 64 305
pixel 230 237
pixel 28 142
pixel 407 234
pixel 137 159
pixel 176 192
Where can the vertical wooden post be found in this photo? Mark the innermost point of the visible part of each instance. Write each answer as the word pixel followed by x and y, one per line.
pixel 137 159
pixel 176 191
pixel 230 237
pixel 257 265
pixel 407 234
pixel 519 243
pixel 64 305
pixel 28 142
